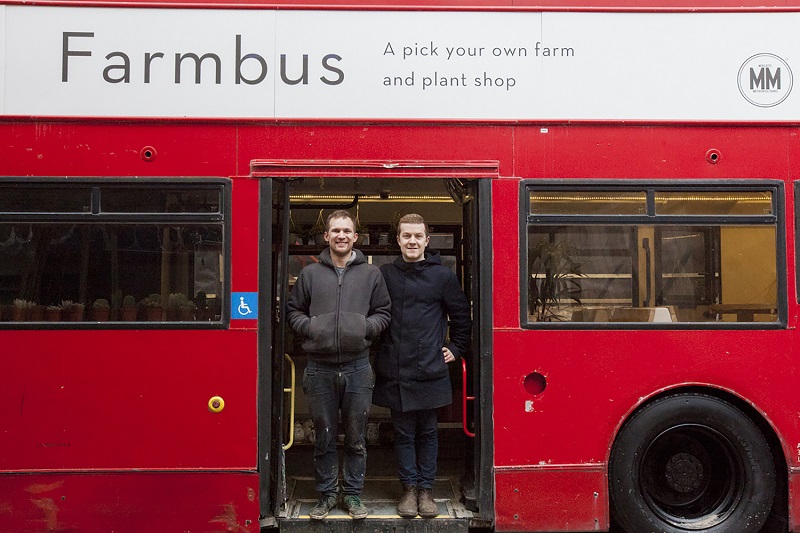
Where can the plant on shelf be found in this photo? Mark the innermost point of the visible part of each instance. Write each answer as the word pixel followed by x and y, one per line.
pixel 21 310
pixel 553 277
pixel 128 309
pixel 35 312
pixel 153 310
pixel 72 311
pixel 179 307
pixel 101 310
pixel 52 313
pixel 186 312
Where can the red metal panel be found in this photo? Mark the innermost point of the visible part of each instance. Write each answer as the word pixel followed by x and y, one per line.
pixel 595 378
pixel 650 152
pixel 127 399
pixel 564 498
pixel 505 250
pixel 114 149
pixel 376 142
pixel 244 221
pixel 153 502
pixel 373 169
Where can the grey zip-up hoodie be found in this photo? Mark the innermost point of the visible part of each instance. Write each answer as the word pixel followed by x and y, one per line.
pixel 339 316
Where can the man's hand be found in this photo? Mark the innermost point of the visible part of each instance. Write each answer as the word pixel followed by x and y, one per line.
pixel 448 355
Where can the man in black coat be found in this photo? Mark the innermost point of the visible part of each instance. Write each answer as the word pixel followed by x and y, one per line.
pixel 412 378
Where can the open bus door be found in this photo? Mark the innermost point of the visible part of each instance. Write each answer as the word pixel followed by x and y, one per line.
pixel 287 485
pixel 477 393
pixel 272 257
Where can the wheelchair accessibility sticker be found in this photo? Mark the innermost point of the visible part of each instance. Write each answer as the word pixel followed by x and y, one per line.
pixel 244 305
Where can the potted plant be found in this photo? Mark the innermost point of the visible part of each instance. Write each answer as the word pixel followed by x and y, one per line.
pixel 154 312
pixel 394 227
pixel 361 231
pixel 317 231
pixel 20 310
pixel 72 311
pixel 101 310
pixel 128 310
pixel 295 232
pixel 553 277
pixel 179 307
pixel 52 313
pixel 36 312
pixel 186 312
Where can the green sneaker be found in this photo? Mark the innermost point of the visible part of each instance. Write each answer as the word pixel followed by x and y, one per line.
pixel 323 506
pixel 353 505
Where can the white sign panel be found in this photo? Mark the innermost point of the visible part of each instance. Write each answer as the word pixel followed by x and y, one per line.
pixel 430 65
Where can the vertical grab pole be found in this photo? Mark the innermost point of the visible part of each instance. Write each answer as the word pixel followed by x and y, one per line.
pixel 464 399
pixel 290 391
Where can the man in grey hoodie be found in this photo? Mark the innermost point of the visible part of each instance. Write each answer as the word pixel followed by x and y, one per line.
pixel 339 305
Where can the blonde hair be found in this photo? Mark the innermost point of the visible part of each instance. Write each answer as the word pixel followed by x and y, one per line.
pixel 413 218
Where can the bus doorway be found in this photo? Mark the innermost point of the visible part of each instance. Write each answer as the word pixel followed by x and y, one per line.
pixel 299 207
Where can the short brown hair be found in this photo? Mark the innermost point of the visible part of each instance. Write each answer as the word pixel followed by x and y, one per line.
pixel 339 213
pixel 413 218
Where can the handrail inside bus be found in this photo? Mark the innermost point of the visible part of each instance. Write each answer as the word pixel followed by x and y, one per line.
pixel 464 399
pixel 290 390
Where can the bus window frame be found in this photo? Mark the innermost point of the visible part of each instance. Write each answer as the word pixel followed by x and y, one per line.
pixel 223 217
pixel 778 218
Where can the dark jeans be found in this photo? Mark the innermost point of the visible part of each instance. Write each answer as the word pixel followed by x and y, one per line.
pixel 331 387
pixel 416 443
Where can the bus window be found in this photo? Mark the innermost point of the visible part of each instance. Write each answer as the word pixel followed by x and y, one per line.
pixel 656 269
pixel 55 267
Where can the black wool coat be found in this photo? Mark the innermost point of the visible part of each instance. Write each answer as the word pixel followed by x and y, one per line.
pixel 410 371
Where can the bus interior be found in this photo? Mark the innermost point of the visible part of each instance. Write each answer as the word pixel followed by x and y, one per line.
pixel 376 204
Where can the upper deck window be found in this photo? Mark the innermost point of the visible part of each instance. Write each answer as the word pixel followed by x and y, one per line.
pixel 55 198
pixel 162 200
pixel 587 203
pixel 713 203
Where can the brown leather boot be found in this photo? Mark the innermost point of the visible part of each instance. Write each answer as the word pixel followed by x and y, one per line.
pixel 426 506
pixel 407 508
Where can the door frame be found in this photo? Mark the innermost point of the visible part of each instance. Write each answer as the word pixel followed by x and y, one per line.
pixel 481 367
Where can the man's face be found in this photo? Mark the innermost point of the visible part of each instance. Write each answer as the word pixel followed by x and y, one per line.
pixel 341 236
pixel 412 240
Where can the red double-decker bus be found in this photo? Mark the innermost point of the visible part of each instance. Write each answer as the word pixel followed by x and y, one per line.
pixel 613 185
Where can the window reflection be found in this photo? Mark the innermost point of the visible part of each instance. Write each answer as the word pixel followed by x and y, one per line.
pixel 110 271
pixel 652 273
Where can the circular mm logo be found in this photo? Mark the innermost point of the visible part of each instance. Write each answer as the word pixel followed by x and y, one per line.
pixel 765 80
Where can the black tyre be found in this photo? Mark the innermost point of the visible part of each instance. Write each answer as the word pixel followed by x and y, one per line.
pixel 688 463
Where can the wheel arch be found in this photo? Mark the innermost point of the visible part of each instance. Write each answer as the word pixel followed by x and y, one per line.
pixel 776 444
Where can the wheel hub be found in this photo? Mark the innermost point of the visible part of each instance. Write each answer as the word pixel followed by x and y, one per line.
pixel 684 472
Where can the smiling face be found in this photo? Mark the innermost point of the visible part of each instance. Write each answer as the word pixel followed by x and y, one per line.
pixel 341 236
pixel 412 240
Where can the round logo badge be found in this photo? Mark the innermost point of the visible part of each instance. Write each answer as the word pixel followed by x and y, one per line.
pixel 765 80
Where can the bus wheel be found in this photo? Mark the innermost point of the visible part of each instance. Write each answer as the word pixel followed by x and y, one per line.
pixel 688 463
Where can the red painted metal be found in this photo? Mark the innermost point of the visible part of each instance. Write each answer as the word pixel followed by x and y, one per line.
pixel 111 427
pixel 127 408
pixel 152 501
